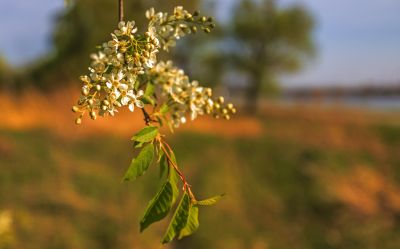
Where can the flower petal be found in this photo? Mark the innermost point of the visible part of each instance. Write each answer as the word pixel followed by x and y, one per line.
pixel 139 103
pixel 131 107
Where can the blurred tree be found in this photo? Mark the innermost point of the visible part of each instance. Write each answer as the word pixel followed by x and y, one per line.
pixel 85 24
pixel 268 40
pixel 6 74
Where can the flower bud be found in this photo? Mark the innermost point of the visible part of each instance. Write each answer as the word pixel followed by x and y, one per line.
pixel 196 13
pixel 91 102
pixel 227 117
pixel 98 87
pixel 93 115
pixel 233 110
pixel 203 19
pixel 75 108
pixel 78 121
pixel 106 102
pixel 221 100
pixel 207 30
pixel 229 106
pixel 85 91
pixel 194 29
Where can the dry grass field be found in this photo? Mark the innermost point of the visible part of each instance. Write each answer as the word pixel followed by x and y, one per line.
pixel 314 177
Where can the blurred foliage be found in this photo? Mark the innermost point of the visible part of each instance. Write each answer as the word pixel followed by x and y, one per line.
pixel 85 25
pixel 260 40
pixel 269 40
pixel 328 183
pixel 6 73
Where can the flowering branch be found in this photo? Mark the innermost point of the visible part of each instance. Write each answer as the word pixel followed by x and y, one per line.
pixel 125 72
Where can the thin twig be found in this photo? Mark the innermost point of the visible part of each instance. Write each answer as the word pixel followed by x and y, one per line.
pixel 120 10
pixel 186 185
pixel 147 118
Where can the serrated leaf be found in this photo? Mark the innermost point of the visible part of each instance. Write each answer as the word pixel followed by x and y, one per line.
pixel 192 223
pixel 210 201
pixel 140 164
pixel 146 134
pixel 179 219
pixel 158 207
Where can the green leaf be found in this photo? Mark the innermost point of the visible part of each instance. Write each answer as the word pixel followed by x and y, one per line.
pixel 137 144
pixel 179 219
pixel 140 164
pixel 163 166
pixel 148 100
pixel 164 109
pixel 173 177
pixel 145 135
pixel 210 201
pixel 192 223
pixel 150 88
pixel 158 207
pixel 148 93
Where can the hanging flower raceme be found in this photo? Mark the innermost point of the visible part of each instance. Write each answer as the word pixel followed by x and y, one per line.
pixel 125 73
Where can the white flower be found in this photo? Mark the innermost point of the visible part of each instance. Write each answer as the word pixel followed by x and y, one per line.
pixel 132 100
pixel 127 28
pixel 150 13
pixel 114 43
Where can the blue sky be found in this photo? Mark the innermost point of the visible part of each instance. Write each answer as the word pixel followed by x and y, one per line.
pixel 358 40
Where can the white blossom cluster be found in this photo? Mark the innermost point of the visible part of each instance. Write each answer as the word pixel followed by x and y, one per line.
pixel 123 67
pixel 187 96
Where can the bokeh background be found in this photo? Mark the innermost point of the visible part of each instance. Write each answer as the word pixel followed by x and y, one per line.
pixel 312 160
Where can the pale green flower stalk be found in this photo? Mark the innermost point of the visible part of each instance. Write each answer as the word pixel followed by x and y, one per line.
pixel 125 72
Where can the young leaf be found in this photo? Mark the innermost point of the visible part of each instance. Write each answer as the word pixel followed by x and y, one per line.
pixel 150 88
pixel 192 223
pixel 210 201
pixel 164 109
pixel 179 219
pixel 145 135
pixel 158 207
pixel 147 99
pixel 140 164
